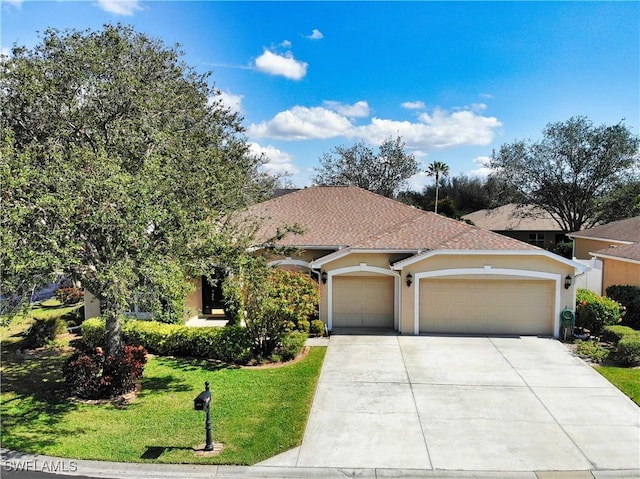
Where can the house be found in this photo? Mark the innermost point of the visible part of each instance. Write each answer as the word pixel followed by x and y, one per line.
pixel 527 223
pixel 617 246
pixel 385 265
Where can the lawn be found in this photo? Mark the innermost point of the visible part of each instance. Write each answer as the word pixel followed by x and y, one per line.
pixel 256 413
pixel 625 379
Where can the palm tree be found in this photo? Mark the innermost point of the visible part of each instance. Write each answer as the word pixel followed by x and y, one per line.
pixel 437 169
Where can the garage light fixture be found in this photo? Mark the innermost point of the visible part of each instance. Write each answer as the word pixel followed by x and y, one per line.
pixel 567 282
pixel 323 277
pixel 409 279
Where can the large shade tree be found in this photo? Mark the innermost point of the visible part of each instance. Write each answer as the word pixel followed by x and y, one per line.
pixel 383 172
pixel 572 170
pixel 120 166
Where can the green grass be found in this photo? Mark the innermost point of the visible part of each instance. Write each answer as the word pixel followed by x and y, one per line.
pixel 256 413
pixel 625 379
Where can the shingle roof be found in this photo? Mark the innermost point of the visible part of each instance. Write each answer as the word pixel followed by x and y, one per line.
pixel 631 252
pixel 623 230
pixel 514 217
pixel 340 216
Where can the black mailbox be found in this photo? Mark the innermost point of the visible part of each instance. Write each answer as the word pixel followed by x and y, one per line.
pixel 203 401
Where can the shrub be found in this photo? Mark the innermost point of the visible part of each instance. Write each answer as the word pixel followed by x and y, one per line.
pixel 594 312
pixel 152 335
pixel 233 307
pixel 292 345
pixel 229 344
pixel 303 326
pixel 295 293
pixel 614 334
pixel 629 297
pixel 317 328
pixel 45 330
pixel 93 332
pixel 592 350
pixel 69 295
pixel 92 375
pixel 628 352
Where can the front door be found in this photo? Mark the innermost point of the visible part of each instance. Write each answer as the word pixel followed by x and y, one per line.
pixel 212 297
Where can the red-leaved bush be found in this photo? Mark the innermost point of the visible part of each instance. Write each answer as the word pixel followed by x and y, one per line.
pixel 94 375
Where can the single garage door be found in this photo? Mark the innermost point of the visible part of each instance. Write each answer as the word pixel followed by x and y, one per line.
pixel 363 301
pixel 487 306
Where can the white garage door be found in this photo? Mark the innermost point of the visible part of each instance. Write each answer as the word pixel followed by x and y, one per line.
pixel 488 306
pixel 363 301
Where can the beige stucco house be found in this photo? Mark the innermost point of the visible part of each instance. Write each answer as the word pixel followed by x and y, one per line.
pixel 383 264
pixel 617 245
pixel 527 223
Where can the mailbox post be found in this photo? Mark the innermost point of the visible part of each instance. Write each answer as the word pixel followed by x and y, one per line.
pixel 203 403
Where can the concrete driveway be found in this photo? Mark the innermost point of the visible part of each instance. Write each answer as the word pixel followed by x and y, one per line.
pixel 464 403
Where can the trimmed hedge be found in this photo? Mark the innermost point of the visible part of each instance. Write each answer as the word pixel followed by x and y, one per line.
pixel 629 350
pixel 629 297
pixel 594 312
pixel 44 330
pixel 229 344
pixel 614 334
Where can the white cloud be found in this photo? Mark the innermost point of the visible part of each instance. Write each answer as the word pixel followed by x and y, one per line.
pixel 488 96
pixel 120 7
pixel 440 129
pixel 231 101
pixel 359 109
pixel 433 130
pixel 315 35
pixel 302 123
pixel 284 65
pixel 278 161
pixel 5 52
pixel 413 105
pixel 483 169
pixel 285 44
pixel 418 181
pixel 14 3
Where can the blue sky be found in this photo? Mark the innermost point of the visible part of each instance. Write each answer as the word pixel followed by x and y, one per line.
pixel 454 79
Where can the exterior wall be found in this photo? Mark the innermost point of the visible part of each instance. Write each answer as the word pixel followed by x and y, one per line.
pixel 582 247
pixel 534 264
pixel 619 272
pixel 91 305
pixel 193 301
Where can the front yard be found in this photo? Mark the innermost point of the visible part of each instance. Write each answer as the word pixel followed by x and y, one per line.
pixel 256 412
pixel 625 379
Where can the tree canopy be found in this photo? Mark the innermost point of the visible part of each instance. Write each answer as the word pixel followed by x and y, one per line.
pixel 571 171
pixel 120 166
pixel 384 172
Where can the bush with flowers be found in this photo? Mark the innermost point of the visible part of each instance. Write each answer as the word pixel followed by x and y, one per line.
pixel 594 312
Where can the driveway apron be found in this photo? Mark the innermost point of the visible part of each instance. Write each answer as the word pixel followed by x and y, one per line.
pixel 465 403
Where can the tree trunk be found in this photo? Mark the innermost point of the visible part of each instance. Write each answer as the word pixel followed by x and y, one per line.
pixel 113 340
pixel 436 207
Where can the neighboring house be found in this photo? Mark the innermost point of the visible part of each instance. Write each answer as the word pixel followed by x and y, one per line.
pixel 383 264
pixel 526 223
pixel 617 245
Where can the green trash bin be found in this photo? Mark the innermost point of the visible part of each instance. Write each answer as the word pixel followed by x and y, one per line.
pixel 567 323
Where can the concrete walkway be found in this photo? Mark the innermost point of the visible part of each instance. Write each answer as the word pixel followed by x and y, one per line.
pixel 464 403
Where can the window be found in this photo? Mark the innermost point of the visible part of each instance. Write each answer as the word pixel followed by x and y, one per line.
pixel 536 239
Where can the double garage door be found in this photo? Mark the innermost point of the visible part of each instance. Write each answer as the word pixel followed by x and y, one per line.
pixel 460 305
pixel 490 306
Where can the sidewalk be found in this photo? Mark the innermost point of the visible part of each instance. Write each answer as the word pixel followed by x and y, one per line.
pixel 115 470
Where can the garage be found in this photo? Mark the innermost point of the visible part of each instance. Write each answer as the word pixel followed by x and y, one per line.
pixel 487 306
pixel 363 302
